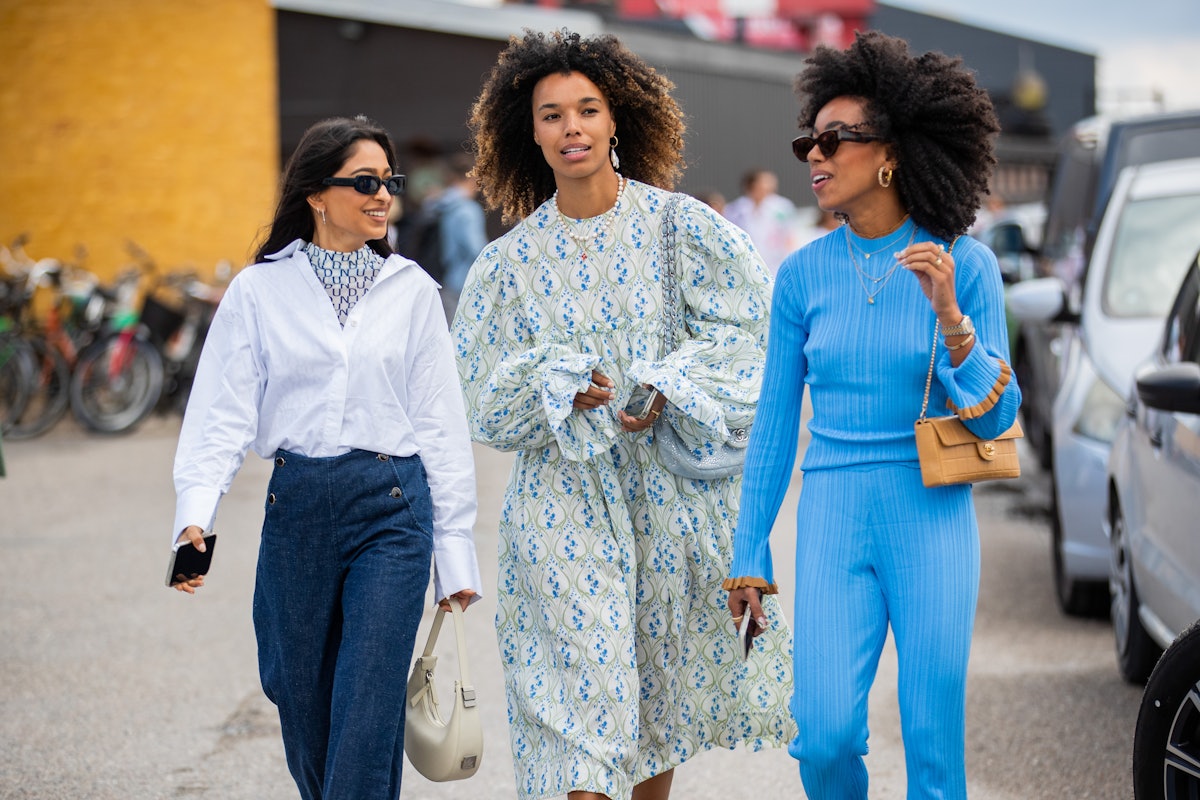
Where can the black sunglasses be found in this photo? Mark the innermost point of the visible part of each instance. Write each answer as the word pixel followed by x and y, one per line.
pixel 829 142
pixel 369 184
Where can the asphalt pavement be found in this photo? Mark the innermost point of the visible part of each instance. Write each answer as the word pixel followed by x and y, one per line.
pixel 113 686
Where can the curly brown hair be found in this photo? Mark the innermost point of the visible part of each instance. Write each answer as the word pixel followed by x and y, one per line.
pixel 938 121
pixel 509 165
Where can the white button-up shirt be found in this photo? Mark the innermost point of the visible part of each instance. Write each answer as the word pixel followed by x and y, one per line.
pixel 279 371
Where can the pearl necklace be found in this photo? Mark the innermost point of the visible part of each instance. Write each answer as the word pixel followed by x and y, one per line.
pixel 607 220
pixel 883 279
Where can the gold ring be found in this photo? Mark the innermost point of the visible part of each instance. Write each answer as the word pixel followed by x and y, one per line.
pixel 738 618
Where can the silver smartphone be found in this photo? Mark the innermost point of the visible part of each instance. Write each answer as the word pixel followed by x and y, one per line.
pixel 746 634
pixel 648 406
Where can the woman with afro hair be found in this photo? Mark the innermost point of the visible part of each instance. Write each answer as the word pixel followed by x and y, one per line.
pixel 900 148
pixel 619 661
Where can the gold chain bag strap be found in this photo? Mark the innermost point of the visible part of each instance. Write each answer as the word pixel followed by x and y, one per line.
pixel 949 453
pixel 440 750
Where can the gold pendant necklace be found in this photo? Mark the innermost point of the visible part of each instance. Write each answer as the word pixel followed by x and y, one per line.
pixel 883 279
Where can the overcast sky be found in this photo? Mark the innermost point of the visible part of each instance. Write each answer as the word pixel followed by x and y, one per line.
pixel 1141 45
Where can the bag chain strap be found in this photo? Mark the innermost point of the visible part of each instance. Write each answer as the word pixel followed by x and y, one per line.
pixel 932 354
pixel 672 314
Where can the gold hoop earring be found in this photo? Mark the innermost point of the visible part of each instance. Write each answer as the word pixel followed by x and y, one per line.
pixel 612 152
pixel 885 180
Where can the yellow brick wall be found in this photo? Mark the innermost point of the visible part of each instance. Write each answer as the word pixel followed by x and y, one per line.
pixel 149 120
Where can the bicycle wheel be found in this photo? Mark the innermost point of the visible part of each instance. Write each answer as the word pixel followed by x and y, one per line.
pixel 50 395
pixel 16 379
pixel 116 383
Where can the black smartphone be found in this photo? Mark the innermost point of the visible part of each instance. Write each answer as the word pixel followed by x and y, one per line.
pixel 188 562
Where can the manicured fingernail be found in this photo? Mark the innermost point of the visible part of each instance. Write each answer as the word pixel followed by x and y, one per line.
pixel 762 622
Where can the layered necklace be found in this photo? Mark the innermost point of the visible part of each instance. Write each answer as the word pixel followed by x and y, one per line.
pixel 876 283
pixel 602 229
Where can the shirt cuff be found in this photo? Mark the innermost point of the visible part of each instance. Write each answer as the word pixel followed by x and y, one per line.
pixel 196 506
pixel 455 568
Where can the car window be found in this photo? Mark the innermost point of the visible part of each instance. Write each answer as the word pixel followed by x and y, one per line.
pixel 1179 330
pixel 1154 242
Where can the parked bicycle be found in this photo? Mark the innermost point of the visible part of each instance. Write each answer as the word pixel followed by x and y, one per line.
pixel 147 360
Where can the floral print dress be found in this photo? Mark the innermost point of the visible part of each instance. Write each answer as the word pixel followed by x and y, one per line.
pixel 620 658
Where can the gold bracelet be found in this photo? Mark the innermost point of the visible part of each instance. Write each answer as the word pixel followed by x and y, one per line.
pixel 952 347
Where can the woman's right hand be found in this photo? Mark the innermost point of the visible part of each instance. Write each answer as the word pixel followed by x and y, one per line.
pixel 747 600
pixel 598 394
pixel 195 535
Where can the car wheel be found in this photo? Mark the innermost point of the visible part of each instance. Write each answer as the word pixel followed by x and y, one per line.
pixel 1136 651
pixel 1076 598
pixel 1166 741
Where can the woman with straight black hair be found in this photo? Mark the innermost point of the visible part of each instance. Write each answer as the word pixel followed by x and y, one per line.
pixel 331 357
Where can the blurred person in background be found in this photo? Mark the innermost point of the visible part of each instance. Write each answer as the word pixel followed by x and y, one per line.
pixel 768 217
pixel 461 227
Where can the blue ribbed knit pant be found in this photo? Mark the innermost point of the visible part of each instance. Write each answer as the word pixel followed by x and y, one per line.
pixel 874 546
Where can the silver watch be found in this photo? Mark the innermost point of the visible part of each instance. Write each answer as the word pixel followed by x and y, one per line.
pixel 964 328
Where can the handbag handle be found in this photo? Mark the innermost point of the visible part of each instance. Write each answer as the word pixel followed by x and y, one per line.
pixel 932 354
pixel 460 635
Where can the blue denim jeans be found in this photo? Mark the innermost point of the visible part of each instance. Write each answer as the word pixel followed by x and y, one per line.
pixel 342 570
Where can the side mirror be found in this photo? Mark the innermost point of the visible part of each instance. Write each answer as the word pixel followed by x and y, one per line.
pixel 1037 300
pixel 1172 388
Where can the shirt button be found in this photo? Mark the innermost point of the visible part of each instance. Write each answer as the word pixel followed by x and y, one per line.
pixel 396 491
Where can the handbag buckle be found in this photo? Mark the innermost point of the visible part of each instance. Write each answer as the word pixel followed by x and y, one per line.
pixel 468 696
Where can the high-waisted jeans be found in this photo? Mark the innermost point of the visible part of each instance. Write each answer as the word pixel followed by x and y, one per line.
pixel 342 571
pixel 875 547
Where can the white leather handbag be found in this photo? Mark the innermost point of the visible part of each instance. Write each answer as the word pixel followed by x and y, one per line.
pixel 441 750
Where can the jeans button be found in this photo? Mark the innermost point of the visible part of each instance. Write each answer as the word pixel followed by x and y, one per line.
pixel 383 456
pixel 396 491
pixel 279 461
pixel 271 498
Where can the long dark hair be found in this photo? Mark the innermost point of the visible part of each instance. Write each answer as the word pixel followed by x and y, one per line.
pixel 322 151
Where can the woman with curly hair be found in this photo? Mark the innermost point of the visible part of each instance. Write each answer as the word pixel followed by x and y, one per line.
pixel 900 148
pixel 619 661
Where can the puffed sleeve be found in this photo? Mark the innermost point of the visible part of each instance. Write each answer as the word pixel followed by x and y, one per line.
pixel 713 378
pixel 519 390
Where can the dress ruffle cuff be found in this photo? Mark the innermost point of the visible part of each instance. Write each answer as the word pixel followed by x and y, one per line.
pixel 750 583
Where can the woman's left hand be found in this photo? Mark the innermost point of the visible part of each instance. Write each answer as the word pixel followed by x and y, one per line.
pixel 463 598
pixel 934 268
pixel 632 424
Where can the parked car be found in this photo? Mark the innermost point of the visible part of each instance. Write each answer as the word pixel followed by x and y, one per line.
pixel 1091 155
pixel 1151 227
pixel 1153 499
pixel 1166 741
